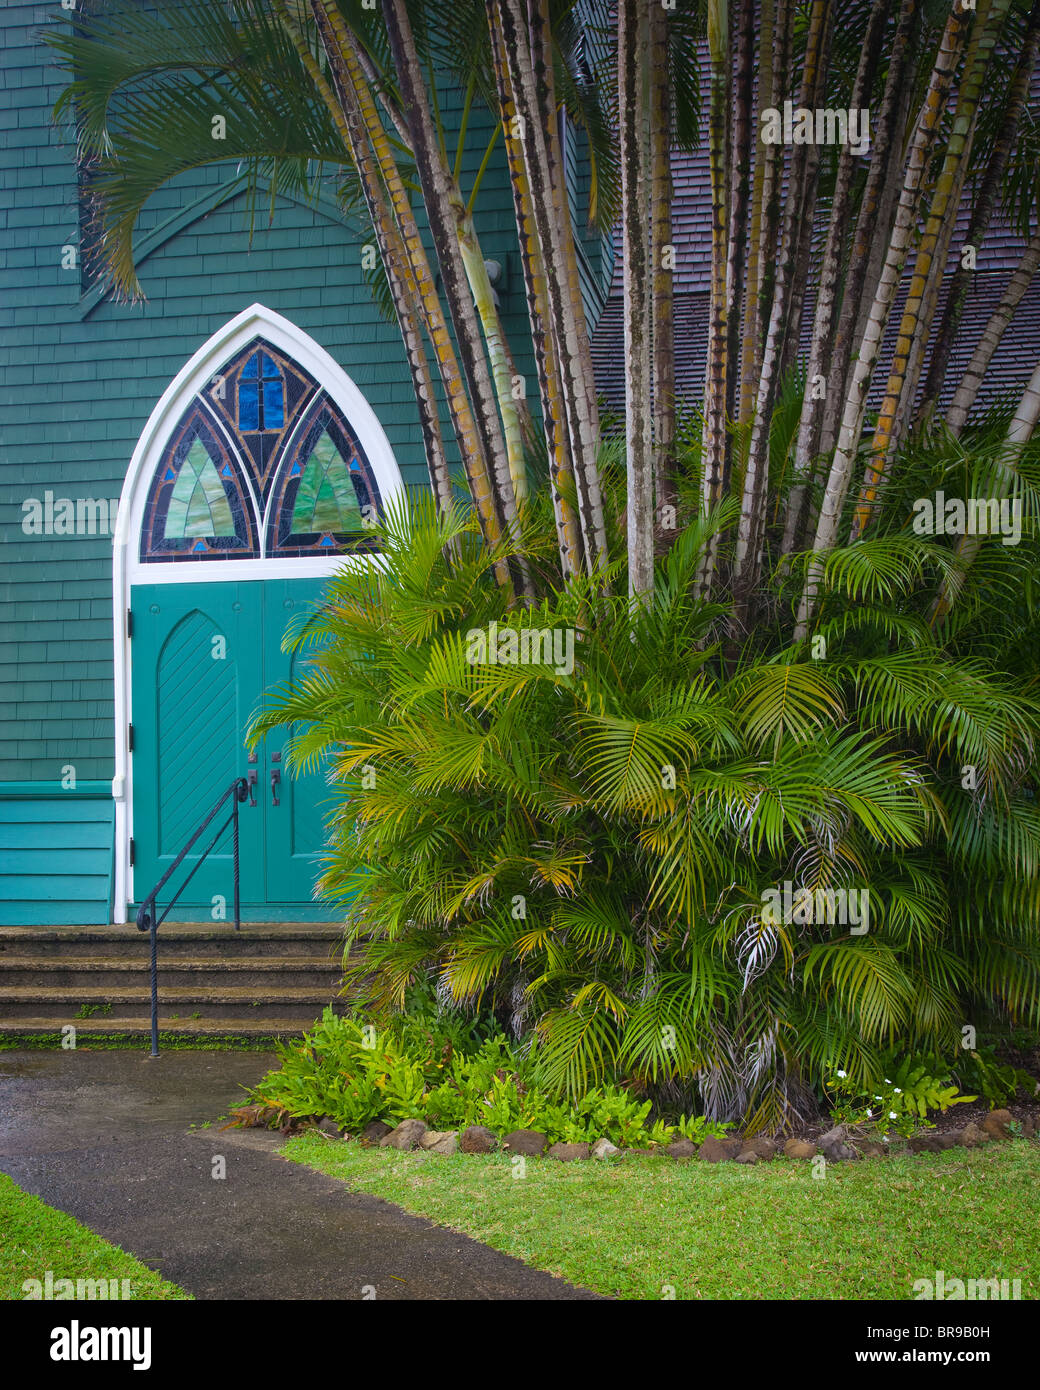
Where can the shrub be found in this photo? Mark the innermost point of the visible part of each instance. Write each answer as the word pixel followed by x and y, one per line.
pixel 354 1073
pixel 588 852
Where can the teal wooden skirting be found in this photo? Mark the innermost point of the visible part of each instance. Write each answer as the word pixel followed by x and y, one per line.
pixel 56 854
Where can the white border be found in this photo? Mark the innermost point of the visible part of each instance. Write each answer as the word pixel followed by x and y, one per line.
pixel 127 568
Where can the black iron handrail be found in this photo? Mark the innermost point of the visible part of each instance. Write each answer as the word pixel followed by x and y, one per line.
pixel 146 918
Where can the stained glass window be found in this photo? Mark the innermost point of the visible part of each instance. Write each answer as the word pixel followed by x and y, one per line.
pixel 261 437
pixel 261 395
pixel 327 497
pixel 199 506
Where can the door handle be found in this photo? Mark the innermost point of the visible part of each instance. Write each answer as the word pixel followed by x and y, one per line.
pixel 251 780
pixel 276 777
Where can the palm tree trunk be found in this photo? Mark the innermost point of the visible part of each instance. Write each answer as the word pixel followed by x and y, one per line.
pixel 856 399
pixel 824 325
pixel 1019 434
pixel 783 34
pixel 633 65
pixel 554 417
pixel 761 191
pixel 873 224
pixel 530 73
pixel 982 213
pixel 714 443
pixel 395 260
pixel 747 562
pixel 662 308
pixel 932 249
pixel 495 510
pixel 740 190
pixel 964 396
pixel 444 211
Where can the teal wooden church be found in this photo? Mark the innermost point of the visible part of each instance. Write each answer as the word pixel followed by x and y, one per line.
pixel 179 479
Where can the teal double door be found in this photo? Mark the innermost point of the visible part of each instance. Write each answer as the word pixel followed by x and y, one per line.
pixel 202 656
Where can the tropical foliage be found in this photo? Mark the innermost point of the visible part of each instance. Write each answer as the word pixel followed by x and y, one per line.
pixel 588 849
pixel 783 671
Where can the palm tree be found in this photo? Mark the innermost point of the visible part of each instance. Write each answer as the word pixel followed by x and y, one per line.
pixel 898 248
pixel 1021 279
pixel 525 46
pixel 825 319
pixel 932 251
pixel 982 212
pixel 748 554
pixel 634 110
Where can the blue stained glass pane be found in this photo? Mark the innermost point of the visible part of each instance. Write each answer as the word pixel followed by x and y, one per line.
pixel 274 409
pixel 252 369
pixel 248 406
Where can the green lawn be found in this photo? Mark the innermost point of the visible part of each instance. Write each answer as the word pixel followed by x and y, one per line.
pixel 34 1238
pixel 635 1228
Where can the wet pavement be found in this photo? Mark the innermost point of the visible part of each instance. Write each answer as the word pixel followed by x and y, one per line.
pixel 104 1136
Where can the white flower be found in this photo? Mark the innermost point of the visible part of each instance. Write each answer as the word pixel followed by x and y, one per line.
pixel 898 1091
pixel 887 1082
pixel 892 1115
pixel 843 1074
pixel 884 1138
pixel 870 1114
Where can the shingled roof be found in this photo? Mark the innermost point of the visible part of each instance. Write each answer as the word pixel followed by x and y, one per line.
pixel 1001 251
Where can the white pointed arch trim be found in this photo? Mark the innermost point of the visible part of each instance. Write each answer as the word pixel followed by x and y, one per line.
pixel 256 321
pixel 127 569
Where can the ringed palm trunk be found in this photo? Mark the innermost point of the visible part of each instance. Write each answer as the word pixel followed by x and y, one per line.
pixel 395 260
pixel 662 308
pixel 633 61
pixel 750 531
pixel 740 192
pixel 460 276
pixel 773 208
pixel 495 509
pixel 1019 434
pixel 713 450
pixel 873 225
pixel 761 191
pixel 932 249
pixel 554 418
pixel 824 324
pixel 530 75
pixel 898 248
pixel 982 213
pixel 1021 279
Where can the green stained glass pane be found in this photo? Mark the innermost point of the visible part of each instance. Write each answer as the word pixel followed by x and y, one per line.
pixel 326 500
pixel 198 504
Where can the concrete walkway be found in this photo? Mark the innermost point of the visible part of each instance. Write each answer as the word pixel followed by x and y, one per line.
pixel 103 1136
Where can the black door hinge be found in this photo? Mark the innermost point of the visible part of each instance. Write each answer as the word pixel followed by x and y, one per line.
pixel 131 851
pixel 130 738
pixel 129 623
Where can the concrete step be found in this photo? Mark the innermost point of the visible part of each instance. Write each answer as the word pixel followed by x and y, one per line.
pixel 208 1002
pixel 176 938
pixel 139 1026
pixel 79 972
